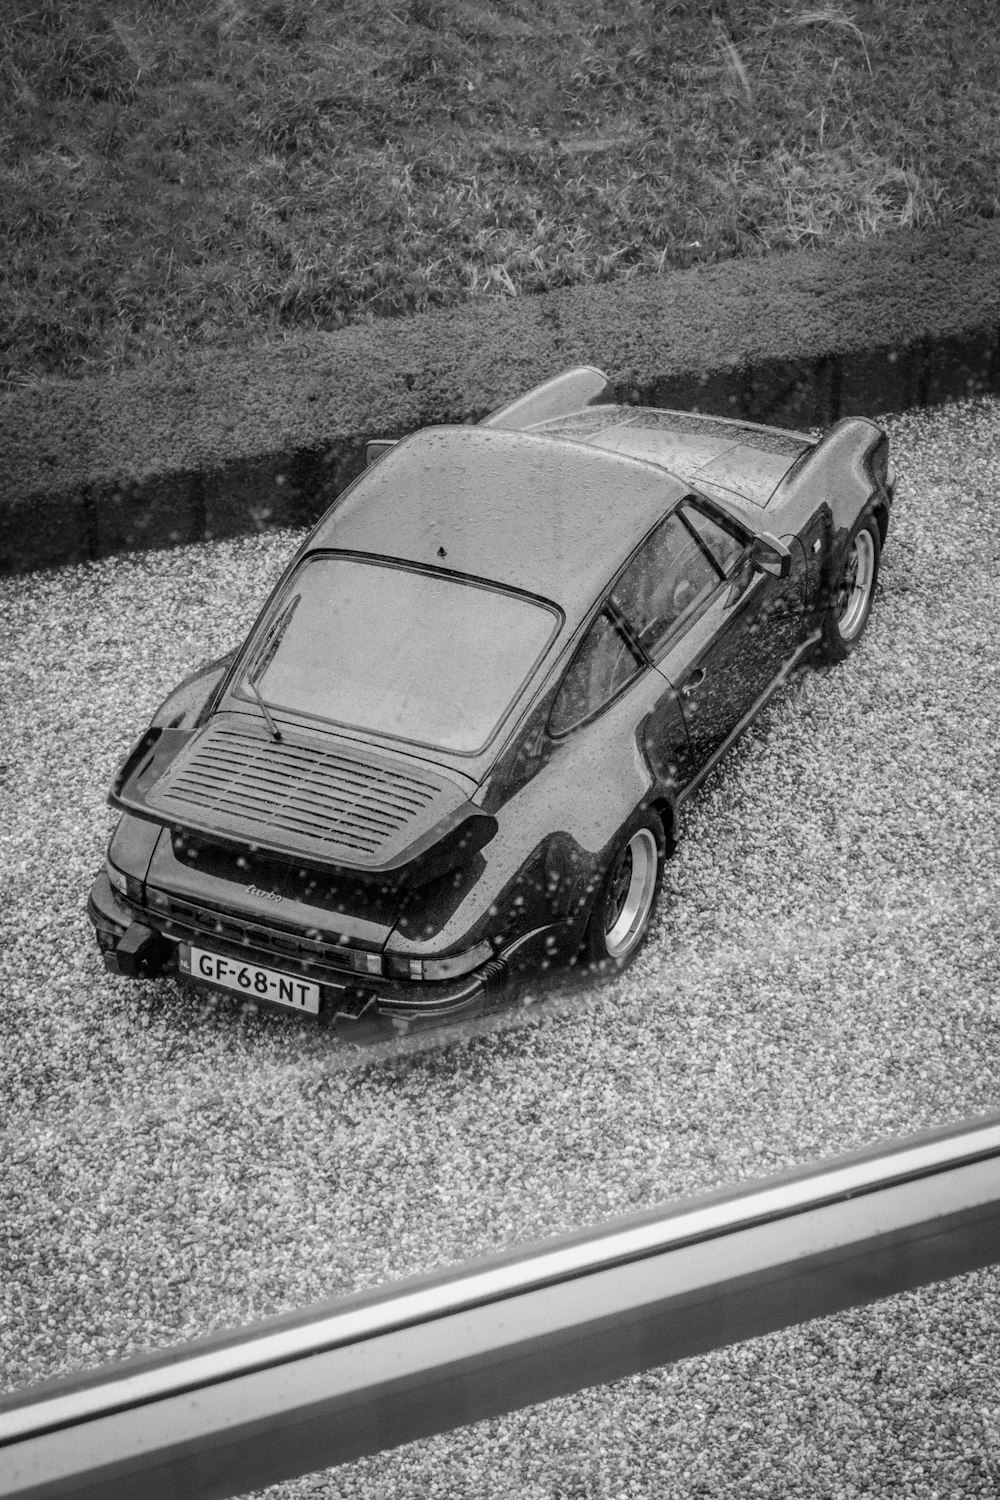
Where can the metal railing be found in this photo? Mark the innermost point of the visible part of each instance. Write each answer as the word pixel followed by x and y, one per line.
pixel 305 1391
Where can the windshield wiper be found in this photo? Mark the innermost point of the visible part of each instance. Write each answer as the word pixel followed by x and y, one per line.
pixel 264 657
pixel 272 726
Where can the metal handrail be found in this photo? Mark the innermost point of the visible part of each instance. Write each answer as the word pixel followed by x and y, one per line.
pixel 248 1407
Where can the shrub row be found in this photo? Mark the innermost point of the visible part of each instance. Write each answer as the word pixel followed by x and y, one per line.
pixel 222 443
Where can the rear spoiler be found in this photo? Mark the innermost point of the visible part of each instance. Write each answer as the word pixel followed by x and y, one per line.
pixel 377 448
pixel 441 835
pixel 559 397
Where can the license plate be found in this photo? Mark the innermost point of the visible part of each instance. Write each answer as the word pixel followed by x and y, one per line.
pixel 250 980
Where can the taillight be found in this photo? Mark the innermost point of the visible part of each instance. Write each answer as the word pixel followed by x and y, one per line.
pixel 451 967
pixel 128 886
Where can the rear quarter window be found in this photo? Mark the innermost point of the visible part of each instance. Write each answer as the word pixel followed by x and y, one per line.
pixel 603 664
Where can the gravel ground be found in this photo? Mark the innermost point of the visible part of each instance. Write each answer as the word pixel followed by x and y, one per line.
pixel 824 972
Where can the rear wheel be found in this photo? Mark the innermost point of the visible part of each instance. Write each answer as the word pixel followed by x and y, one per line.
pixel 853 593
pixel 626 900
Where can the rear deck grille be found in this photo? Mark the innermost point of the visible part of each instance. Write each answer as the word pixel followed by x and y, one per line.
pixel 316 795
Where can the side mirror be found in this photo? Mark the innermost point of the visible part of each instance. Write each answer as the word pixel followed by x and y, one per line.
pixel 376 448
pixel 768 555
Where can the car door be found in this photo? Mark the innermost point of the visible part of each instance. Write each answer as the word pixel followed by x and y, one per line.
pixel 716 628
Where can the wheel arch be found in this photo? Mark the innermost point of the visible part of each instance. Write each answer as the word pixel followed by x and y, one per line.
pixel 665 807
pixel 880 514
pixel 607 948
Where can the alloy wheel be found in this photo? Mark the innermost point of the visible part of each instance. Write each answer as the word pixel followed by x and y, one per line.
pixel 631 894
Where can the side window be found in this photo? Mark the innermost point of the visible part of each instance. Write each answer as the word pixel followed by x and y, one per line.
pixel 665 582
pixel 725 546
pixel 604 662
pixel 674 572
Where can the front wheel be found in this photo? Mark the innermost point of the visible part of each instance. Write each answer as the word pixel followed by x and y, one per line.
pixel 626 900
pixel 853 592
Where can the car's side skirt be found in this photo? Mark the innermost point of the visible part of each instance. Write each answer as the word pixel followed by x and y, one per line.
pixel 706 770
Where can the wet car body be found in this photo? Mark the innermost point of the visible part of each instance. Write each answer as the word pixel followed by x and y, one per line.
pixel 565 616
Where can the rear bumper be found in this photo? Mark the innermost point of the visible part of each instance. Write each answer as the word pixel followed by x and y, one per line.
pixel 135 945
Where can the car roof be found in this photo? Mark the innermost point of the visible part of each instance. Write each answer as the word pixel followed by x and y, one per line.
pixel 743 458
pixel 544 514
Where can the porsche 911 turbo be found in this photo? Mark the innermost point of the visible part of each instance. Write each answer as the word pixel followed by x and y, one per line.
pixel 454 747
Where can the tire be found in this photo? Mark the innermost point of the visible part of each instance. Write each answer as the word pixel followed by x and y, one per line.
pixel 852 594
pixel 626 900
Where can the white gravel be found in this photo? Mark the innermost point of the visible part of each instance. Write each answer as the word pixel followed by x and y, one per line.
pixel 825 972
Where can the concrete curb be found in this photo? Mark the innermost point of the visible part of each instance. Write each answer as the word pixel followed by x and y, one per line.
pixel 222 444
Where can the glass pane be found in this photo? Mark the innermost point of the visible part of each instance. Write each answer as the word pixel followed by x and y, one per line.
pixel 724 545
pixel 601 666
pixel 416 655
pixel 665 583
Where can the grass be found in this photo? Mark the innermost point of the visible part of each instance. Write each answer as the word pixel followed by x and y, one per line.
pixel 179 173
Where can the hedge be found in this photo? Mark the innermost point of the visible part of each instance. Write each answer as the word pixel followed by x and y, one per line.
pixel 221 443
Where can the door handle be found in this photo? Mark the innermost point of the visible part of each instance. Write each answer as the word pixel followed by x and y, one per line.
pixel 696 678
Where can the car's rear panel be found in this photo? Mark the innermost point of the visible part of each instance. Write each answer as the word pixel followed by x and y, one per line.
pixel 264 916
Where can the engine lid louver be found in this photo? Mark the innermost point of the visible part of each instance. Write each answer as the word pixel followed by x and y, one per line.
pixel 305 796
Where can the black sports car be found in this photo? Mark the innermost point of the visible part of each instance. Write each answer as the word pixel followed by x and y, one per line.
pixel 456 742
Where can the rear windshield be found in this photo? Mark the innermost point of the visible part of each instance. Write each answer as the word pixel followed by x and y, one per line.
pixel 421 656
